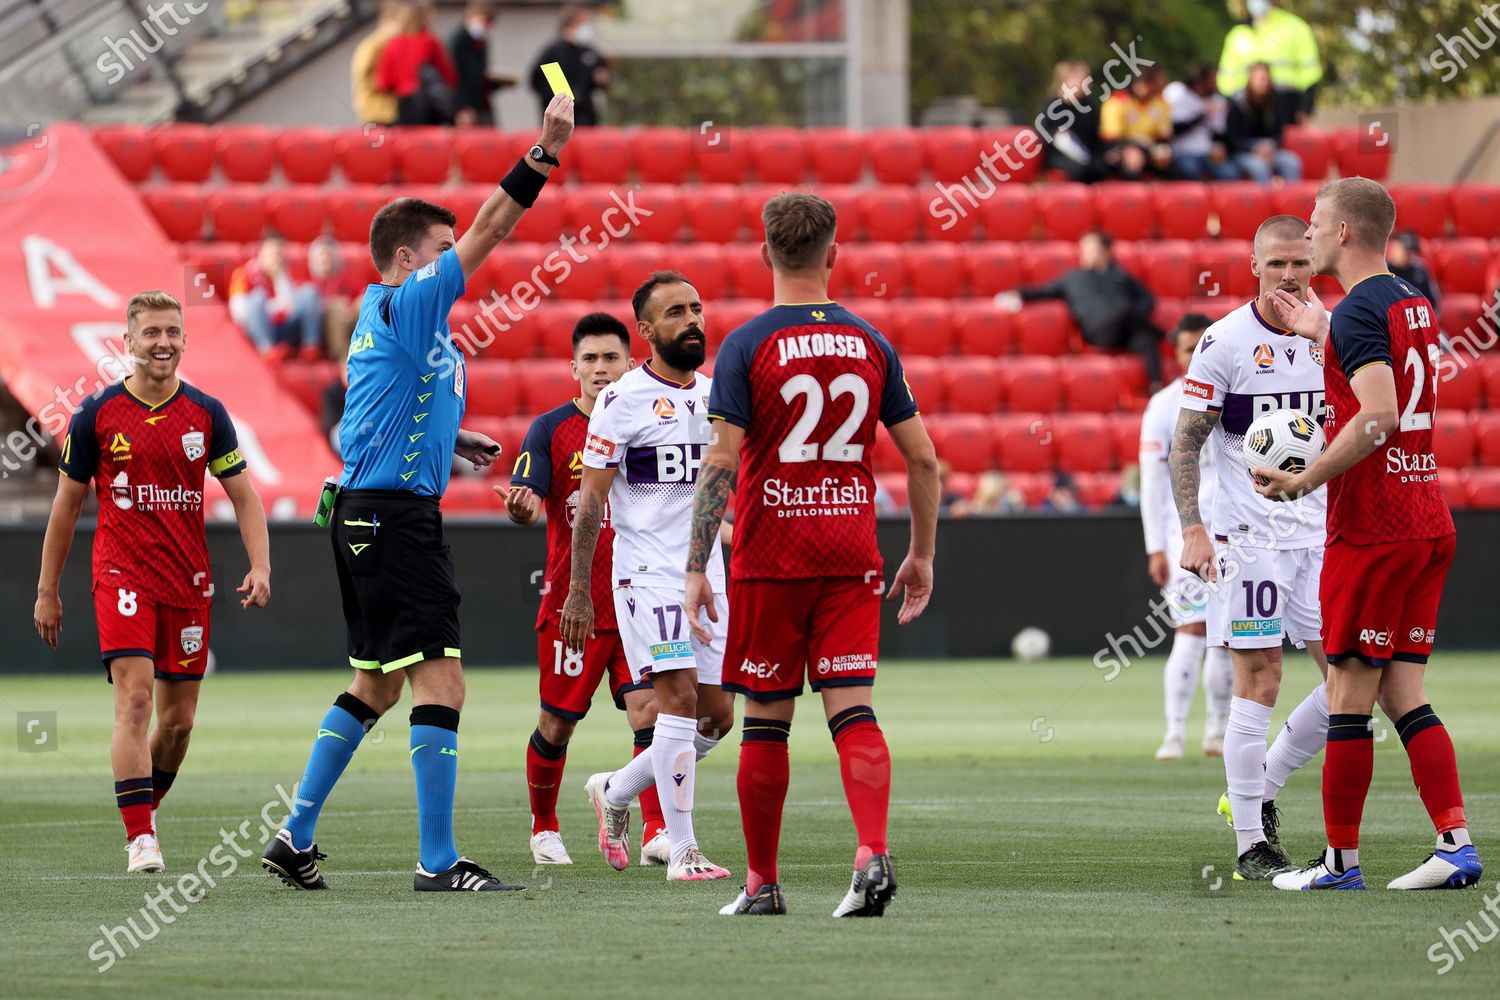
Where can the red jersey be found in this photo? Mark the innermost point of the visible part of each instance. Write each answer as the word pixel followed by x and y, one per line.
pixel 1391 495
pixel 551 464
pixel 147 464
pixel 807 383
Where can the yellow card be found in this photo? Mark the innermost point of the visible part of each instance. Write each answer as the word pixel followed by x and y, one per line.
pixel 559 83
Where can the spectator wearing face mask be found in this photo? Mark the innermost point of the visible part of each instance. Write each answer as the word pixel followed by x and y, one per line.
pixel 469 46
pixel 1284 42
pixel 581 63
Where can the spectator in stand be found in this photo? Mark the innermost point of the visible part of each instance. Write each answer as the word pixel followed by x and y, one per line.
pixel 414 66
pixel 373 105
pixel 1111 308
pixel 340 289
pixel 1257 116
pixel 948 498
pixel 581 63
pixel 1404 258
pixel 1130 487
pixel 470 46
pixel 994 494
pixel 1281 39
pixel 1135 127
pixel 1064 496
pixel 1070 124
pixel 1199 116
pixel 277 313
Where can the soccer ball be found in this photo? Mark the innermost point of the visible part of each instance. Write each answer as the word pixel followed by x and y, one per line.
pixel 1283 439
pixel 1031 643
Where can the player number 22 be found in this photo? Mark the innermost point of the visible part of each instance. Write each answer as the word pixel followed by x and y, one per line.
pixel 1411 420
pixel 795 447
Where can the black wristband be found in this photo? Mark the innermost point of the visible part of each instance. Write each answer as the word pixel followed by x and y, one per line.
pixel 523 184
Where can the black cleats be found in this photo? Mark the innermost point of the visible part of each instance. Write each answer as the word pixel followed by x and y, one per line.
pixel 464 876
pixel 298 869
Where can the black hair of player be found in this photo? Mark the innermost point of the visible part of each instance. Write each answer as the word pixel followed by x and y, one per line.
pixel 404 223
pixel 642 294
pixel 1192 323
pixel 600 324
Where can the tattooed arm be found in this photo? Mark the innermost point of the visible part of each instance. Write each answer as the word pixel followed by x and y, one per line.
pixel 577 623
pixel 1193 428
pixel 710 498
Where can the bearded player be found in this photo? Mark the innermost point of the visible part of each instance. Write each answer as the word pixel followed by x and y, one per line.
pixel 145 444
pixel 1391 537
pixel 797 394
pixel 547 475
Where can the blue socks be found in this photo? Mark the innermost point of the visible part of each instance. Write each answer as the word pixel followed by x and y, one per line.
pixel 434 758
pixel 338 737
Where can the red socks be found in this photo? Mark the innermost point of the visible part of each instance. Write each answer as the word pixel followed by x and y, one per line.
pixel 133 796
pixel 544 770
pixel 651 821
pixel 1434 769
pixel 1346 778
pixel 865 763
pixel 762 781
pixel 161 783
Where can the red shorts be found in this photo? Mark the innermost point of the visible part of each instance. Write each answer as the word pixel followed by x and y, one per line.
pixel 568 681
pixel 174 639
pixel 781 630
pixel 1380 602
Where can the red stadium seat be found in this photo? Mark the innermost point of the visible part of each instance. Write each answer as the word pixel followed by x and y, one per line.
pixel 1165 266
pixel 890 213
pixel 961 485
pixel 1124 209
pixel 1091 384
pixel 1083 441
pixel 1009 213
pixel 661 155
pixel 879 313
pixel 971 385
pixel 1453 439
pixel 244 153
pixel 1181 210
pixel 584 205
pixel 778 155
pixel 893 483
pixel 184 152
pixel 1241 207
pixel 238 212
pixel 992 268
pixel 601 155
pixel 721 155
pixel 1015 151
pixel 544 383
pixel 964 440
pixel 1421 208
pixel 1125 429
pixel 1489 367
pixel 305 381
pixel 472 493
pixel 629 264
pixel 983 330
pixel 1487 436
pixel 423 155
pixel 548 328
pixel 494 389
pixel 587 279
pixel 1459 313
pixel 753 198
pixel 1476 209
pixel 510 434
pixel 1035 487
pixel 465 202
pixel 713 212
pixel 731 314
pixel 129 148
pixel 1454 486
pixel 1066 210
pixel 298 213
pixel 1043 327
pixel 1295 198
pixel 704 264
pixel 663 225
pixel 837 156
pixel 895 155
pixel 887 457
pixel 1217 308
pixel 1462 264
pixel 950 153
pixel 845 201
pixel 947 224
pixel 873 270
pixel 352 209
pixel 304 154
pixel 1045 262
pixel 924 326
pixel 179 210
pixel 1363 152
pixel 483 155
pixel 749 274
pixel 1221 269
pixel 215 261
pixel 1031 383
pixel 1482 488
pixel 926 377
pixel 935 269
pixel 1463 390
pixel 1312 148
pixel 1097 490
pixel 367 155
pixel 543 222
pixel 1024 442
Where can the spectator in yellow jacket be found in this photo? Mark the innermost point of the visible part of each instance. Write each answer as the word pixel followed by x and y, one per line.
pixel 1281 40
pixel 371 104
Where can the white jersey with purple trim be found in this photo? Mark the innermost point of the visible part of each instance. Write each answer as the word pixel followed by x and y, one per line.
pixel 1162 527
pixel 1245 367
pixel 653 431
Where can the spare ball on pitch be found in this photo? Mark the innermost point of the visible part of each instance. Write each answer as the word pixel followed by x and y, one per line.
pixel 1288 440
pixel 1031 643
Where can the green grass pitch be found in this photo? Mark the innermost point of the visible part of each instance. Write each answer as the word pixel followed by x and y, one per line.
pixel 1041 852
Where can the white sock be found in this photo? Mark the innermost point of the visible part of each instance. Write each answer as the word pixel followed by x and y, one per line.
pixel 702 744
pixel 1305 733
pixel 1181 679
pixel 1454 839
pixel 675 761
pixel 1218 687
pixel 1245 767
pixel 1340 860
pixel 626 784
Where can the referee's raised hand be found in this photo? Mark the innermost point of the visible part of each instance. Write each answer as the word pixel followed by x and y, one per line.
pixel 557 123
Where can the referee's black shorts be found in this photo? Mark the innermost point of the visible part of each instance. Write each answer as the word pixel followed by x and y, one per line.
pixel 396 578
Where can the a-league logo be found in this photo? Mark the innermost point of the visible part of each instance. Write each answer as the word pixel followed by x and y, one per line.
pixel 192 639
pixel 192 444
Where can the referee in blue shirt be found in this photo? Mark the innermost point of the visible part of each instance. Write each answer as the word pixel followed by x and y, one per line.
pixel 400 429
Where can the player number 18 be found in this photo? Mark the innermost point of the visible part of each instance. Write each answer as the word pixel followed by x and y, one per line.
pixel 796 448
pixel 566 660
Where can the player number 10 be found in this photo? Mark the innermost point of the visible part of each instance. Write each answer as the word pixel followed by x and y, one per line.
pixel 795 447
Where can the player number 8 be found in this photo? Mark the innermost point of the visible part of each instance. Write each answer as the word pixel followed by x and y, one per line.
pixel 127 604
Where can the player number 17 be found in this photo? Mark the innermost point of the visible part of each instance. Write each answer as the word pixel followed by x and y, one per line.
pixel 795 447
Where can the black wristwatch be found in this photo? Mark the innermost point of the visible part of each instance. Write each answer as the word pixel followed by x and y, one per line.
pixel 540 155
